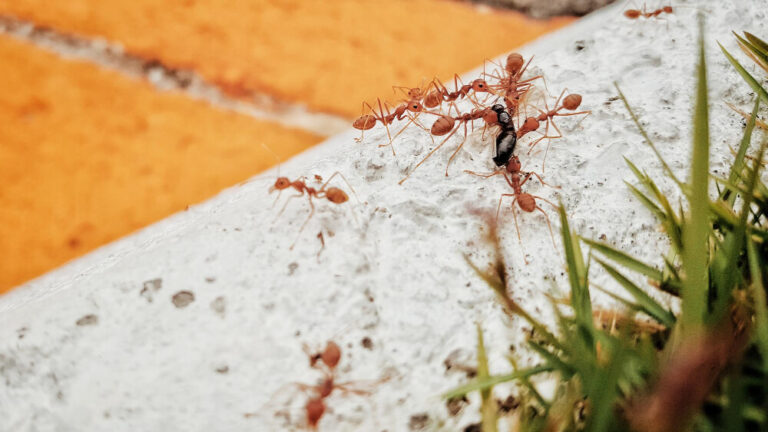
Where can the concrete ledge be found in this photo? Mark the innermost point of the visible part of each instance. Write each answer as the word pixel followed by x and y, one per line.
pixel 200 319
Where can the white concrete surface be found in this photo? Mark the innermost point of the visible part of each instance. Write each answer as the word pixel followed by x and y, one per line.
pixel 392 269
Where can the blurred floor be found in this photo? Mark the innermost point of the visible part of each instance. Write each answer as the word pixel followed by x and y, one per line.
pixel 89 155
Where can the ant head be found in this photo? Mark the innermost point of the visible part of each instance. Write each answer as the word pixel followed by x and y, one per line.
pixel 280 184
pixel 364 122
pixel 499 108
pixel 332 353
pixel 572 101
pixel 667 9
pixel 513 165
pixel 415 106
pixel 336 196
pixel 479 85
pixel 414 93
pixel 530 124
pixel 514 63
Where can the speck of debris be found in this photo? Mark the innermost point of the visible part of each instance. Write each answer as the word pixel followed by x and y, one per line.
pixel 150 287
pixel 22 332
pixel 456 404
pixel 508 404
pixel 292 268
pixel 580 45
pixel 219 305
pixel 210 279
pixel 222 369
pixel 475 427
pixel 418 422
pixel 182 299
pixel 367 343
pixel 89 319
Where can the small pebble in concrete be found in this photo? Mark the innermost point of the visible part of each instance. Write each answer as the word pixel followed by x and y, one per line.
pixel 182 299
pixel 89 319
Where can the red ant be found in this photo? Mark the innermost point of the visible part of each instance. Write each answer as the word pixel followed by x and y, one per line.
pixel 325 361
pixel 332 194
pixel 510 84
pixel 524 200
pixel 368 121
pixel 570 103
pixel 446 124
pixel 637 13
pixel 441 93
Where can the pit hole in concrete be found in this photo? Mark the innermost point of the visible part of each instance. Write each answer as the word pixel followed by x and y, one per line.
pixel 182 299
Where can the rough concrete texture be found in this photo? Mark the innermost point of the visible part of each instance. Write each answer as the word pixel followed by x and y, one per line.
pixel 549 8
pixel 197 323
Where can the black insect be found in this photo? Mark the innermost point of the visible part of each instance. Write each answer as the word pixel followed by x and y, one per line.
pixel 507 139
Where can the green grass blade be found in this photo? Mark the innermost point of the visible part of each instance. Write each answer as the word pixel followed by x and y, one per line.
pixel 757 42
pixel 751 81
pixel 754 52
pixel 650 143
pixel 644 301
pixel 487 407
pixel 625 260
pixel 695 249
pixel 491 381
pixel 738 162
pixel 577 274
pixel 758 289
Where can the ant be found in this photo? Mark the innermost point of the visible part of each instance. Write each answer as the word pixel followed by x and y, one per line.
pixel 637 13
pixel 326 362
pixel 570 103
pixel 446 124
pixel 332 194
pixel 441 93
pixel 510 84
pixel 368 121
pixel 525 201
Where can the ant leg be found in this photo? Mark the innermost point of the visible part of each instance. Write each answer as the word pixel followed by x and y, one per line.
pixel 543 182
pixel 498 208
pixel 286 205
pixel 484 175
pixel 281 192
pixel 428 155
pixel 311 213
pixel 457 150
pixel 549 224
pixel 386 126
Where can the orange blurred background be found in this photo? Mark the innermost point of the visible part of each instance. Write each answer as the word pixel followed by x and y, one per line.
pixel 90 153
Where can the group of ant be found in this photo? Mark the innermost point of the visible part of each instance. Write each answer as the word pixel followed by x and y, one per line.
pixel 508 91
pixel 499 101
